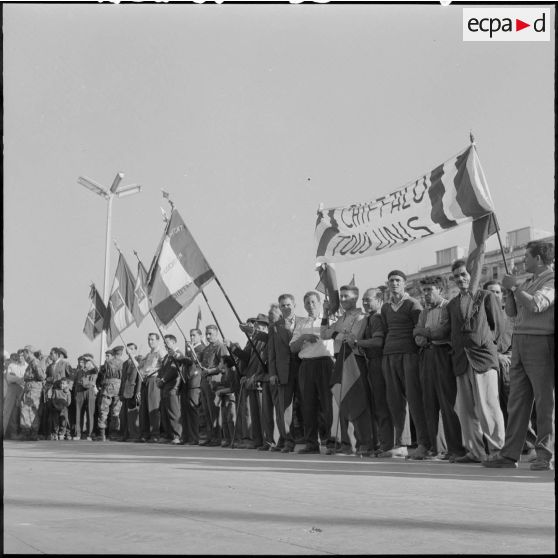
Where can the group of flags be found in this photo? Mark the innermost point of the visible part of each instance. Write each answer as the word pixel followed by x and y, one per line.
pixel 177 274
pixel 457 193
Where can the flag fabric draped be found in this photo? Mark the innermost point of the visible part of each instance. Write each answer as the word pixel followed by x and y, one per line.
pixel 95 320
pixel 199 318
pixel 178 272
pixel 481 230
pixel 121 301
pixel 328 286
pixel 348 375
pixel 141 302
pixel 453 193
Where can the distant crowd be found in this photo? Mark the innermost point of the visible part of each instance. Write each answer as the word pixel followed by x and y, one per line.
pixel 466 380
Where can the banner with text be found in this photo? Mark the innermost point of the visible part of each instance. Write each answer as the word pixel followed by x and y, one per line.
pixel 455 192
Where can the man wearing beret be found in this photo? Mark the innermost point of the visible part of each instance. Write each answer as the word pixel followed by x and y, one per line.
pixel 110 401
pixel 400 365
pixel 130 394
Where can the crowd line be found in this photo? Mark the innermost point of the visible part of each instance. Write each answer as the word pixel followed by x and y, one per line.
pixel 466 380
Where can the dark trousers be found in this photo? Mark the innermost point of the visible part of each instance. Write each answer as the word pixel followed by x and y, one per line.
pixel 403 385
pixel 210 410
pixel 58 421
pixel 253 398
pixel 189 405
pixel 228 419
pixel 363 423
pixel 378 399
pixel 288 405
pixel 270 403
pixel 129 422
pixel 439 391
pixel 314 379
pixel 531 380
pixel 85 409
pixel 150 414
pixel 170 414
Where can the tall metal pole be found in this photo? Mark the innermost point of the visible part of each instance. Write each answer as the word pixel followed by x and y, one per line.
pixel 107 270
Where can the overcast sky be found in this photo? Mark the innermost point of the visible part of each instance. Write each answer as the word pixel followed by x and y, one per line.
pixel 250 116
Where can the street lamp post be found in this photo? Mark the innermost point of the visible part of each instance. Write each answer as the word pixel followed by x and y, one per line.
pixel 114 190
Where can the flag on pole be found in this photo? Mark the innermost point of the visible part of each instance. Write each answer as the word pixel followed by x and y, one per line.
pixel 121 301
pixel 481 230
pixel 453 193
pixel 328 286
pixel 141 302
pixel 198 318
pixel 178 272
pixel 348 374
pixel 95 320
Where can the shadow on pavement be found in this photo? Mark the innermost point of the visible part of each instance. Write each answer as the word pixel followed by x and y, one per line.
pixel 217 459
pixel 321 520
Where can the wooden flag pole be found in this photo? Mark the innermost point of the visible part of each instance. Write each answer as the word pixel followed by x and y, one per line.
pixel 264 366
pixel 472 138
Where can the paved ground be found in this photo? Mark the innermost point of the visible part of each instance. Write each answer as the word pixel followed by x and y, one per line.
pixel 114 498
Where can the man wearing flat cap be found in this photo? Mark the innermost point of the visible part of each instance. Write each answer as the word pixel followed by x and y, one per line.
pixel 400 365
pixel 252 373
pixel 33 386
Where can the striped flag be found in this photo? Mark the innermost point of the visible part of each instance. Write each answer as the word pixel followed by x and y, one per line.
pixel 481 230
pixel 141 302
pixel 453 193
pixel 348 375
pixel 121 301
pixel 95 320
pixel 178 272
pixel 328 286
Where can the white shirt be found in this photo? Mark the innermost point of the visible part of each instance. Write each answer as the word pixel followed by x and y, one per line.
pixel 321 348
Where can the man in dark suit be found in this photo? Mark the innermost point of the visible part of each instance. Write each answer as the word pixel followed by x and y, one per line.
pixel 474 324
pixel 191 391
pixel 283 371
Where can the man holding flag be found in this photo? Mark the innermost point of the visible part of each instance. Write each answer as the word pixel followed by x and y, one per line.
pixel 350 367
pixel 473 324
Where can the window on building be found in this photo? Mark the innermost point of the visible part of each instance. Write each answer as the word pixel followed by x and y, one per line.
pixel 495 273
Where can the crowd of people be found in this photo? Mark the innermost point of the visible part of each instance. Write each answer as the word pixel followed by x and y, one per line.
pixel 467 380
